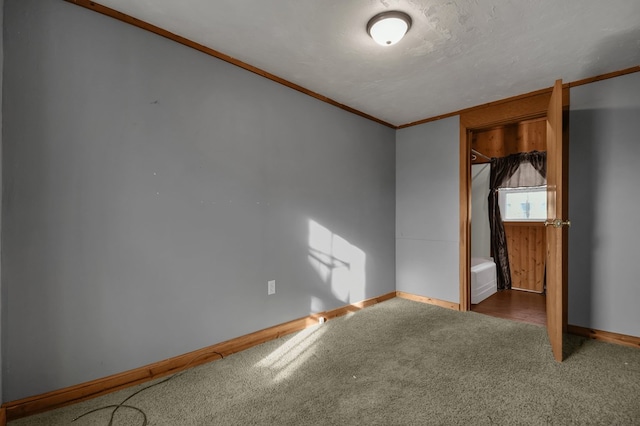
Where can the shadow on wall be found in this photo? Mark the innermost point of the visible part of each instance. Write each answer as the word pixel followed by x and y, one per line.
pixel 603 174
pixel 583 196
pixel 339 264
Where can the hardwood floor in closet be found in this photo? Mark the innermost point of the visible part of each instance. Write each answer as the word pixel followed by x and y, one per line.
pixel 515 305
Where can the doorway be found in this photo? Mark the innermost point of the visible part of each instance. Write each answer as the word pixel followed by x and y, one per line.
pixel 549 103
pixel 523 210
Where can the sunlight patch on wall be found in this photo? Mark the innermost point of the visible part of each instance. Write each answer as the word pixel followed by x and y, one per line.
pixel 286 359
pixel 339 263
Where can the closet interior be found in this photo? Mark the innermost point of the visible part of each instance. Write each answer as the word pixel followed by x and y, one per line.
pixel 525 235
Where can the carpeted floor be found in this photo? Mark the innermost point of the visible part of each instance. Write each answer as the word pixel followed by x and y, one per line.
pixel 395 363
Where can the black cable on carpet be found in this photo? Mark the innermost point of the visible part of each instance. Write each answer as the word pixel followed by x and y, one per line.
pixel 116 407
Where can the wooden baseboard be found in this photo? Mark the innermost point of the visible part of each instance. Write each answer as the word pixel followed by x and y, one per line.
pixel 81 392
pixel 605 336
pixel 334 313
pixel 429 300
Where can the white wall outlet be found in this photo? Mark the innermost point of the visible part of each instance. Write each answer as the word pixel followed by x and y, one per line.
pixel 271 287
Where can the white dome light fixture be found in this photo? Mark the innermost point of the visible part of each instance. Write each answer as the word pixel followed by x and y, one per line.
pixel 388 28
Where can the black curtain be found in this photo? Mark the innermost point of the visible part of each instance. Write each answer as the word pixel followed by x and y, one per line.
pixel 538 160
pixel 501 170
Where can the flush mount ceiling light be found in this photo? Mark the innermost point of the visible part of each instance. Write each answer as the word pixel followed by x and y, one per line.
pixel 388 28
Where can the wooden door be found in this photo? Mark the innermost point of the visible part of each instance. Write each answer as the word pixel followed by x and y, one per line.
pixel 557 224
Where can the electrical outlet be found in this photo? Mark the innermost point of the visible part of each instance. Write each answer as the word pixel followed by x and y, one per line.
pixel 271 287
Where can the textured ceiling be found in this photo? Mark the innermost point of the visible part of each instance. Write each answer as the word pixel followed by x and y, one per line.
pixel 458 54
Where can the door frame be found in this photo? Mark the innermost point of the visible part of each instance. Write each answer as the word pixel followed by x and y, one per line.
pixel 508 111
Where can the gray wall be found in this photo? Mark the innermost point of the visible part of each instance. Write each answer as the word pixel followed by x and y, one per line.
pixel 428 209
pixel 604 178
pixel 150 191
pixel 480 229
